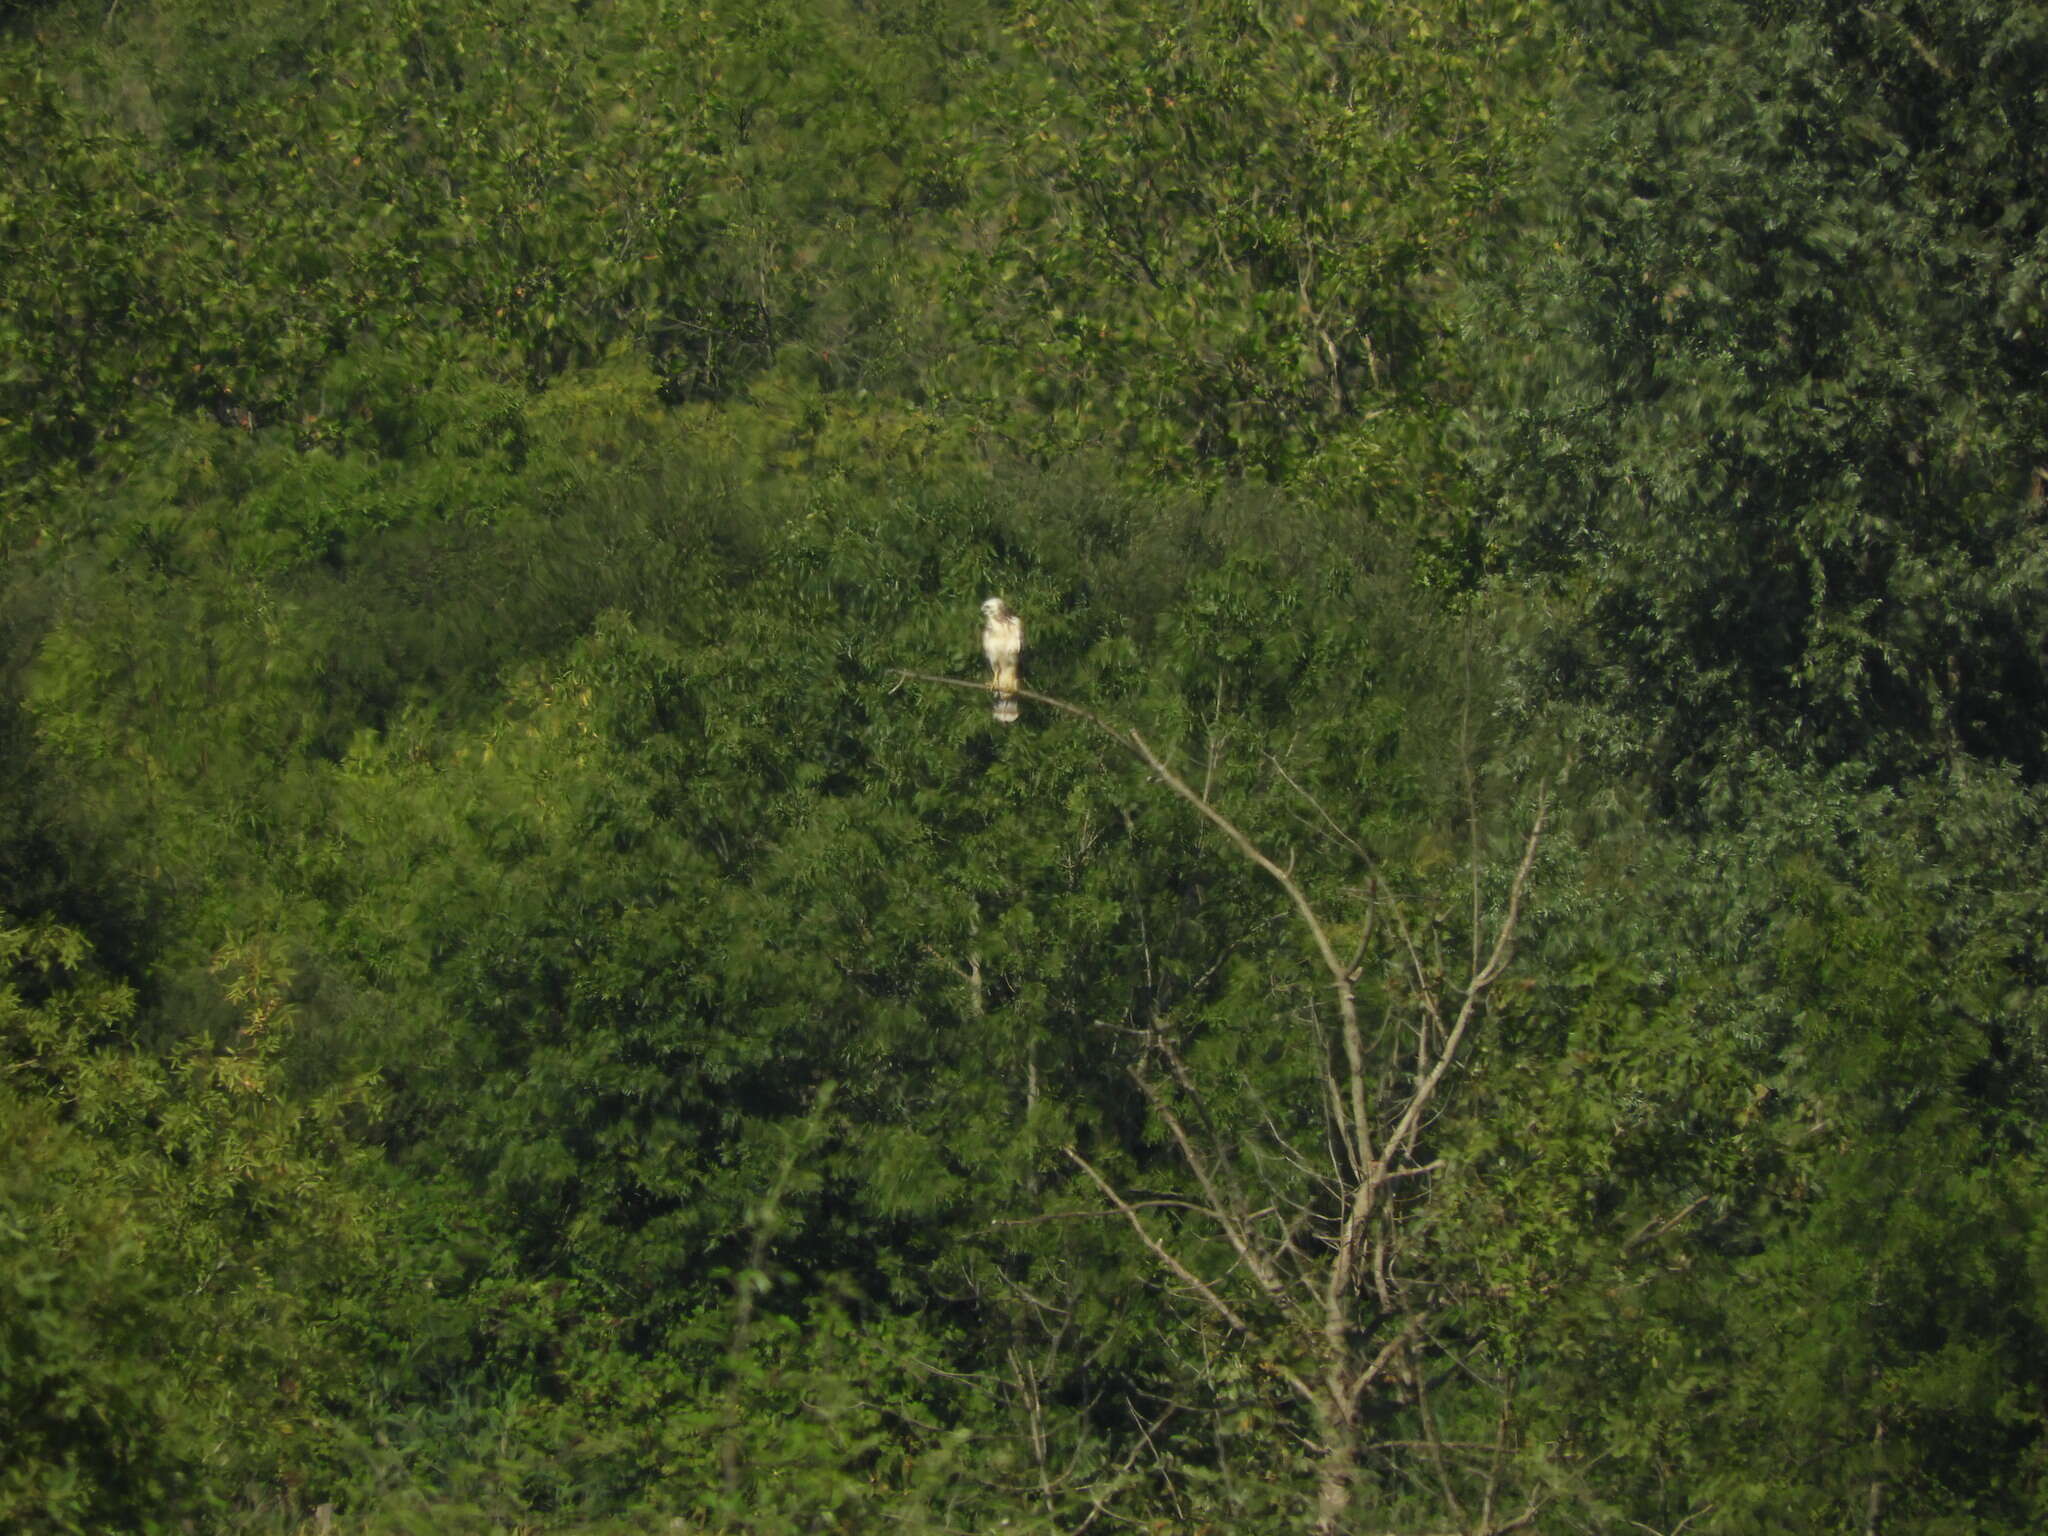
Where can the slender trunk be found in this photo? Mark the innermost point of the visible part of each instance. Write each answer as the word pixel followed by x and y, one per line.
pixel 1335 1474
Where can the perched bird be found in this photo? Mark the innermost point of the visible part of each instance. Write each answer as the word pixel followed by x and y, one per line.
pixel 1002 642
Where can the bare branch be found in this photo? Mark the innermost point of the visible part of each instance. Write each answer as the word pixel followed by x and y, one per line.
pixel 1434 1438
pixel 1043 1217
pixel 1471 791
pixel 1657 1226
pixel 1355 1388
pixel 1132 740
pixel 1475 991
pixel 1499 1462
pixel 1220 1209
pixel 1336 831
pixel 1200 1287
pixel 1705 1509
pixel 1349 1309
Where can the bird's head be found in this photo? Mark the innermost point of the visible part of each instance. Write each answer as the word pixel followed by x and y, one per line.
pixel 995 608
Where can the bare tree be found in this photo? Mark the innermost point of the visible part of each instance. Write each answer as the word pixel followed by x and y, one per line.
pixel 1304 1246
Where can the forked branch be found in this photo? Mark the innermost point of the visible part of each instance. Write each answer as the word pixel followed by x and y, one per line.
pixel 1342 1314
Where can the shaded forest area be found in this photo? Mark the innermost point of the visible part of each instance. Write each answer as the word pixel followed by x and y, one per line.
pixel 1496 985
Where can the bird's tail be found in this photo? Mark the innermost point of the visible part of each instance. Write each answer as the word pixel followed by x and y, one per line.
pixel 1006 701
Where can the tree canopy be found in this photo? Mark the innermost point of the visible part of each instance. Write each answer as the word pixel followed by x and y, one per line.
pixel 1495 985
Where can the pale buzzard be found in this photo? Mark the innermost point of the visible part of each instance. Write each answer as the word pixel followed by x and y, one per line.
pixel 1002 641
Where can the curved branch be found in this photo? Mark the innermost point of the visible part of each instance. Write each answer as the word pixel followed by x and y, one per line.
pixel 1341 979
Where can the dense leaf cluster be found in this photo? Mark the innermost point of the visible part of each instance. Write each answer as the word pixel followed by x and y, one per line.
pixel 1783 461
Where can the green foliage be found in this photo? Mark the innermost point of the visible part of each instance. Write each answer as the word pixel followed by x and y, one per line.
pixel 523 1006
pixel 607 931
pixel 167 1219
pixel 1224 232
pixel 1770 425
pixel 443 185
pixel 1766 1147
pixel 900 228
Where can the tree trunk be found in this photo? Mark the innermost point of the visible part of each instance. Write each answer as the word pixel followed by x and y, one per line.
pixel 1335 1475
